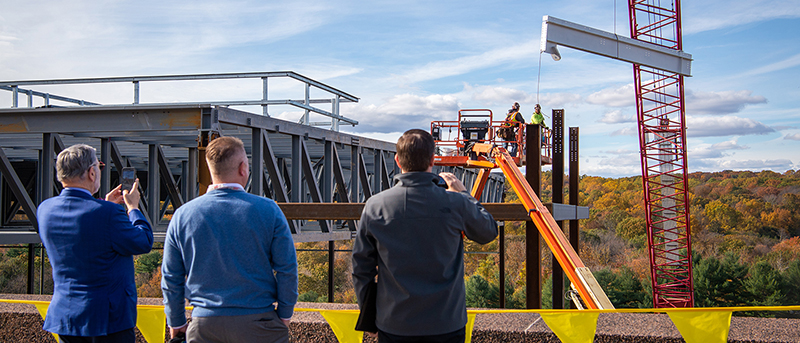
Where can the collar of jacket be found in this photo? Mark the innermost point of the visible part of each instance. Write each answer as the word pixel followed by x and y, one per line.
pixel 76 193
pixel 416 179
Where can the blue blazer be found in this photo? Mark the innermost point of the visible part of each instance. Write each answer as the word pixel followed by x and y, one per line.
pixel 91 243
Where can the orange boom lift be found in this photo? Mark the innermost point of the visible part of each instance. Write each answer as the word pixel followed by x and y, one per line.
pixel 477 148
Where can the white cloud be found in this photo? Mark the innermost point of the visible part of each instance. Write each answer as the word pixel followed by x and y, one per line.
pixel 792 136
pixel 716 150
pixel 625 131
pixel 614 97
pixel 462 65
pixel 711 15
pixel 616 117
pixel 720 102
pixel 499 95
pixel 404 111
pixel 707 126
pixel 773 67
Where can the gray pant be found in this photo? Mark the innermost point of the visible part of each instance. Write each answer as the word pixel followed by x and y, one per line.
pixel 262 327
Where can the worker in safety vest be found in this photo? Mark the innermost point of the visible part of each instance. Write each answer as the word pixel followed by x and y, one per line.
pixel 509 130
pixel 538 119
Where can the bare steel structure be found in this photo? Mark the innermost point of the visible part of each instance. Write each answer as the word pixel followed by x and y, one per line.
pixel 291 162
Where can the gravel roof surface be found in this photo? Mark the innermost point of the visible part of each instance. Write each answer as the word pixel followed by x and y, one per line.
pixel 22 323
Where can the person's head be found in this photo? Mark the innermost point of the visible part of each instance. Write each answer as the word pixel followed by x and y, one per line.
pixel 537 108
pixel 77 166
pixel 516 106
pixel 227 160
pixel 415 150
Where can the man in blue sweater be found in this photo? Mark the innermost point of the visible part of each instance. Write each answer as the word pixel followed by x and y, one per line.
pixel 230 253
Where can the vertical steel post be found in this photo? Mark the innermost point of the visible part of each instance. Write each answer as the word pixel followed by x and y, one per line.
pixel 257 162
pixel 331 259
pixel 558 197
pixel 306 116
pixel 30 98
pixel 31 266
pixel 297 181
pixel 264 95
pixel 533 171
pixel 574 190
pixel 191 175
pixel 105 174
pixel 355 151
pixel 14 96
pixel 153 203
pixel 377 166
pixel 135 93
pixel 502 263
pixel 46 167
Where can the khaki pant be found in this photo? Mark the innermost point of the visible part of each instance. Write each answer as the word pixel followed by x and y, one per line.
pixel 261 327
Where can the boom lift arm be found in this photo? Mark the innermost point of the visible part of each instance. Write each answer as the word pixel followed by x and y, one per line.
pixel 582 280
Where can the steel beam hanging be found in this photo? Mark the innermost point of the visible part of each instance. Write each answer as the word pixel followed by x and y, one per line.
pixel 557 32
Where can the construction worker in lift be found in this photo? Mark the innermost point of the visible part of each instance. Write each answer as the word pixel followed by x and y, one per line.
pixel 510 128
pixel 538 119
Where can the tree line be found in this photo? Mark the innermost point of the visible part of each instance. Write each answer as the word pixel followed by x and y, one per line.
pixel 745 238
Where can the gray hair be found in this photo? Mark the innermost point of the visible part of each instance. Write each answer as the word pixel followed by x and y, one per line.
pixel 74 161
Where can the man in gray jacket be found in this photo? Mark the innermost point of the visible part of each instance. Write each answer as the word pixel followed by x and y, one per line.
pixel 412 233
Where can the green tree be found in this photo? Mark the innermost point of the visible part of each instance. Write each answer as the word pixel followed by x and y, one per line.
pixel 791 277
pixel 481 294
pixel 765 285
pixel 719 283
pixel 147 263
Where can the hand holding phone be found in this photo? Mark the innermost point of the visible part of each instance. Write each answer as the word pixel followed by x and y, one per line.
pixel 127 178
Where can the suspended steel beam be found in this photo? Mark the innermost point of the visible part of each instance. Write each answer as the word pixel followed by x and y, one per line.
pixel 557 32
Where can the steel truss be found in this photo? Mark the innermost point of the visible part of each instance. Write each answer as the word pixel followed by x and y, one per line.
pixel 291 163
pixel 662 139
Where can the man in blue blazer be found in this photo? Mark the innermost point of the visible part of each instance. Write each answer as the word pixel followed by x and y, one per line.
pixel 91 243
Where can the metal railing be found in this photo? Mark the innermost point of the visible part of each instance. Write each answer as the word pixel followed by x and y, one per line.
pixel 337 96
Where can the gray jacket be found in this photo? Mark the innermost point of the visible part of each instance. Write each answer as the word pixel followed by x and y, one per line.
pixel 412 234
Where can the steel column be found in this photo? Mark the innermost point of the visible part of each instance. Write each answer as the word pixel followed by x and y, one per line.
pixel 297 183
pixel 533 171
pixel 355 170
pixel 574 184
pixel 257 161
pixel 153 198
pixel 105 174
pixel 558 197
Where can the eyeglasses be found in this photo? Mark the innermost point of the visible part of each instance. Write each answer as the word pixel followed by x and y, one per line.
pixel 100 165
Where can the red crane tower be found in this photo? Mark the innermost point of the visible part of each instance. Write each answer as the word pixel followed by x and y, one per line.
pixel 659 66
pixel 662 142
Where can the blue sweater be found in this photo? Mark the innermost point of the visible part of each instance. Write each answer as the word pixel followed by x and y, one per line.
pixel 229 253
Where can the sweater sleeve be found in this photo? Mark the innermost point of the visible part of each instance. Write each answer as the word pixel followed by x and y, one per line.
pixel 173 278
pixel 284 264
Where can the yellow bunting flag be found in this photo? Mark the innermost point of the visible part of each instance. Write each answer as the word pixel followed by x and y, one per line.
pixel 572 327
pixel 42 308
pixel 343 324
pixel 702 326
pixel 470 325
pixel 152 323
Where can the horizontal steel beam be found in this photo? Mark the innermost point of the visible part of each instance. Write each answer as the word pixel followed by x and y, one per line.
pixel 352 211
pixel 49 96
pixel 561 32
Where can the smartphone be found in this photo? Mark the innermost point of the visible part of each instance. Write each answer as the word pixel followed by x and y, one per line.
pixel 441 182
pixel 128 178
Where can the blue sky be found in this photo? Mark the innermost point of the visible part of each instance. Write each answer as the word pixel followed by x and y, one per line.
pixel 411 62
